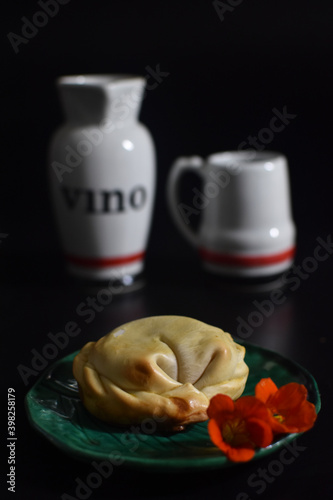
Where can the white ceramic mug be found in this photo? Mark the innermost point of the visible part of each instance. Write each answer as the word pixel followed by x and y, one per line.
pixel 246 227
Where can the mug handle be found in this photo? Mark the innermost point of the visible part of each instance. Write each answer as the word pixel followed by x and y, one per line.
pixel 180 166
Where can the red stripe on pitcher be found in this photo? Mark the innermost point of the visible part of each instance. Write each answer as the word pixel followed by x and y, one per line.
pixel 246 260
pixel 103 262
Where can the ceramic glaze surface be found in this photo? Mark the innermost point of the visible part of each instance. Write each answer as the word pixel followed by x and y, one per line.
pixel 102 176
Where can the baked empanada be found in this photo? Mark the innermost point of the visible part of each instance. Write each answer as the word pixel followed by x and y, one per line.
pixel 161 367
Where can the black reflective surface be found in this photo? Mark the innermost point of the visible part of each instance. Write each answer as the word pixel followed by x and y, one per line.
pixel 299 328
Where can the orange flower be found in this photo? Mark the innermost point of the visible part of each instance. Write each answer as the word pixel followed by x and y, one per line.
pixel 290 411
pixel 239 427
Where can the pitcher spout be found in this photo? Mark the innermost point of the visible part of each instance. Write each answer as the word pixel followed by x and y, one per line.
pixel 90 99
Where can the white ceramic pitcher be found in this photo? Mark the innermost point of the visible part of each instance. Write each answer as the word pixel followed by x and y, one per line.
pixel 102 176
pixel 246 227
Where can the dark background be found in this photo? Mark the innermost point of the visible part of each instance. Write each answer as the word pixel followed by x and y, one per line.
pixel 223 79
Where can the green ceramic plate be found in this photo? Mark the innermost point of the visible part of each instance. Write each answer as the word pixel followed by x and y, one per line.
pixel 55 410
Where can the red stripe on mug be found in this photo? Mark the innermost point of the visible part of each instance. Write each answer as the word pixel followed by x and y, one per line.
pixel 246 260
pixel 103 262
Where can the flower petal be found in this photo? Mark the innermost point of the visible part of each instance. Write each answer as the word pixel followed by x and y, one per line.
pixel 241 454
pixel 216 435
pixel 220 403
pixel 265 388
pixel 290 410
pixel 260 432
pixel 289 397
pixel 279 427
pixel 250 406
pixel 302 420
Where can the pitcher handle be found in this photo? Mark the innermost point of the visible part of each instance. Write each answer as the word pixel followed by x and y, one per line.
pixel 180 166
